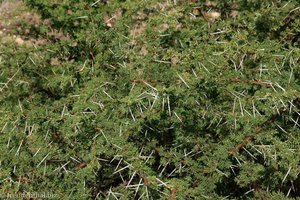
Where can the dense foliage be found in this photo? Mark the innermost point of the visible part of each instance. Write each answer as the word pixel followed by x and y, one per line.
pixel 154 100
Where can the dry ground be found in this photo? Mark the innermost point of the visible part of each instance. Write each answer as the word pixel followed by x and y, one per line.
pixel 15 23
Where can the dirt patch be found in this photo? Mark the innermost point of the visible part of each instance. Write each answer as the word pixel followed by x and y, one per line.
pixel 7 7
pixel 9 16
pixel 15 21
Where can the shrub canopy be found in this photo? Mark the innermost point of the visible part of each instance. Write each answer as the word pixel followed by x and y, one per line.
pixel 154 100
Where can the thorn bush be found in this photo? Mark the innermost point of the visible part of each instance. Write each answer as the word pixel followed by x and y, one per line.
pixel 150 100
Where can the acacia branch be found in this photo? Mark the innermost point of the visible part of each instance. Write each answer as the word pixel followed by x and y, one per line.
pixel 237 80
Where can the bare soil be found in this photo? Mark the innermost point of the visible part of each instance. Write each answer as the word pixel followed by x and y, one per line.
pixel 15 21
